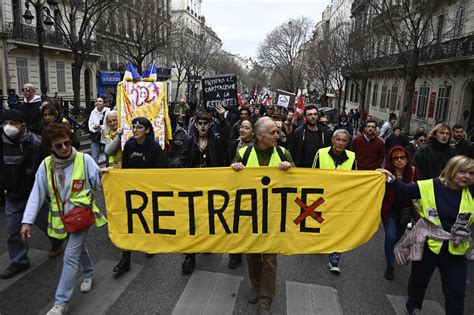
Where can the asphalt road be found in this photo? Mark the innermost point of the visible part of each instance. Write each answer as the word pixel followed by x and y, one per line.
pixel 157 287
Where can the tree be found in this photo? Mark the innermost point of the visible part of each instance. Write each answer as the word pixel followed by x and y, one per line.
pixel 191 54
pixel 141 36
pixel 284 51
pixel 76 21
pixel 406 29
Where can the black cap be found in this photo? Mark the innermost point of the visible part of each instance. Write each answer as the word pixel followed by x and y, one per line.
pixel 13 114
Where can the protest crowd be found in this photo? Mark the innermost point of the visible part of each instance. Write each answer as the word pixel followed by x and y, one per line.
pixel 429 185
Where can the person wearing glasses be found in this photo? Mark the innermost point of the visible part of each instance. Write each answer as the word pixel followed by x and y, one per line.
pixel 419 140
pixel 69 179
pixel 30 106
pixel 396 210
pixel 369 149
pixel 20 157
pixel 205 149
pixel 140 151
pixel 432 158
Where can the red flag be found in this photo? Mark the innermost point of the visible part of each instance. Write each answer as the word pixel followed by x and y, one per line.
pixel 269 100
pixel 240 100
pixel 300 104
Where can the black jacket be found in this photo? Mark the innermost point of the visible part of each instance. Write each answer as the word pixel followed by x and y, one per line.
pixel 19 162
pixel 296 141
pixel 430 159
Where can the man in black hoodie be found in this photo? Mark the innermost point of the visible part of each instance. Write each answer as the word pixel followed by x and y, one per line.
pixel 306 140
pixel 30 106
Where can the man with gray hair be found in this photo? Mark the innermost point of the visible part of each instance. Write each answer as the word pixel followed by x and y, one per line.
pixel 336 157
pixel 265 152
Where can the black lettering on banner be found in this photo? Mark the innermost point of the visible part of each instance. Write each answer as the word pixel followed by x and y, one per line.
pixel 138 211
pixel 219 212
pixel 163 213
pixel 192 218
pixel 304 194
pixel 238 212
pixel 265 181
pixel 284 200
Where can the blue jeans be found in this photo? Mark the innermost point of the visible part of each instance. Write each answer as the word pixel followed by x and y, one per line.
pixel 334 258
pixel 17 249
pixel 393 232
pixel 75 256
pixel 96 147
pixel 453 271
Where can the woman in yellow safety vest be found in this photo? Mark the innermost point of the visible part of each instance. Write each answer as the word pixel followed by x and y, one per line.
pixel 112 138
pixel 69 179
pixel 446 202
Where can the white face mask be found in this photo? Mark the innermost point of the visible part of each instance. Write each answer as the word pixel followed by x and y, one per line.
pixel 10 131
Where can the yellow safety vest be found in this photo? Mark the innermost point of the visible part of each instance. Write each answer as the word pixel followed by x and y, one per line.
pixel 326 161
pixel 115 161
pixel 78 196
pixel 427 209
pixel 253 159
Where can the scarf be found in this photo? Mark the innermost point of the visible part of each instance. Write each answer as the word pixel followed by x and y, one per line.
pixel 60 164
pixel 242 144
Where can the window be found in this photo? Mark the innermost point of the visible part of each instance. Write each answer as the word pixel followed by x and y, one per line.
pixel 351 95
pixel 439 31
pixel 383 96
pixel 442 104
pixel 61 76
pixel 374 95
pixel 22 72
pixel 393 98
pixel 458 22
pixel 356 93
pixel 423 101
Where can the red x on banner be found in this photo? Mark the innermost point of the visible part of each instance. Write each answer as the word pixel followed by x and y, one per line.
pixel 309 210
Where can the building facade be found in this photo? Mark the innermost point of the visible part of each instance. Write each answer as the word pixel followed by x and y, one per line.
pixel 445 89
pixel 20 56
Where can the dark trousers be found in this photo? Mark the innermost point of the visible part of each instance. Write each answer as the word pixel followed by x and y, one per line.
pixel 453 271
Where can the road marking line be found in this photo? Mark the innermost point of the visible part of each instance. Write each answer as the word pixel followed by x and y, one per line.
pixel 37 258
pixel 308 298
pixel 106 289
pixel 208 293
pixel 429 307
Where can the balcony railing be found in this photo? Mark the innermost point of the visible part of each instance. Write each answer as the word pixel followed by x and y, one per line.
pixel 459 48
pixel 27 33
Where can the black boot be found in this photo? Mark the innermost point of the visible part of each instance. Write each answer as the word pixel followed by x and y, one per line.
pixel 234 261
pixel 189 264
pixel 124 264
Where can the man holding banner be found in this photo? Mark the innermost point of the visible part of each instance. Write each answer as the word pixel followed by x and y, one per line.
pixel 263 267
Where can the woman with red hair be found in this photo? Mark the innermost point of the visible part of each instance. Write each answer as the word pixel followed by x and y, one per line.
pixel 396 210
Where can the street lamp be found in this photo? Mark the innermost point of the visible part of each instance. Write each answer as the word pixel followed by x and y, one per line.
pixel 40 7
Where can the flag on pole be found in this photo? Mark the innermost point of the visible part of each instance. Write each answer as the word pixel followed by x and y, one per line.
pixel 240 100
pixel 131 74
pixel 150 73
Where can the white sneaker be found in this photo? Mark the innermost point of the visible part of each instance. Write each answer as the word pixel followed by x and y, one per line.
pixel 58 309
pixel 334 269
pixel 86 285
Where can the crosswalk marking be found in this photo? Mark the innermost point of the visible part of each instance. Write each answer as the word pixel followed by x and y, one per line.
pixel 106 289
pixel 307 298
pixel 208 293
pixel 37 258
pixel 429 307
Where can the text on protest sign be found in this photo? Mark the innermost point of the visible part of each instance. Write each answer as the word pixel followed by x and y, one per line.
pixel 220 91
pixel 257 210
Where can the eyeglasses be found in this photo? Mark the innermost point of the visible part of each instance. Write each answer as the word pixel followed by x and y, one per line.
pixel 27 90
pixel 137 127
pixel 60 145
pixel 401 158
pixel 202 123
pixel 421 140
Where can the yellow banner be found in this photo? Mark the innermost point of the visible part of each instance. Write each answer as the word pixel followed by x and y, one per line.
pixel 257 210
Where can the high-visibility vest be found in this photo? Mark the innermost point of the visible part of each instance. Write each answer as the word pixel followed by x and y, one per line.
pixel 427 209
pixel 253 159
pixel 326 161
pixel 77 196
